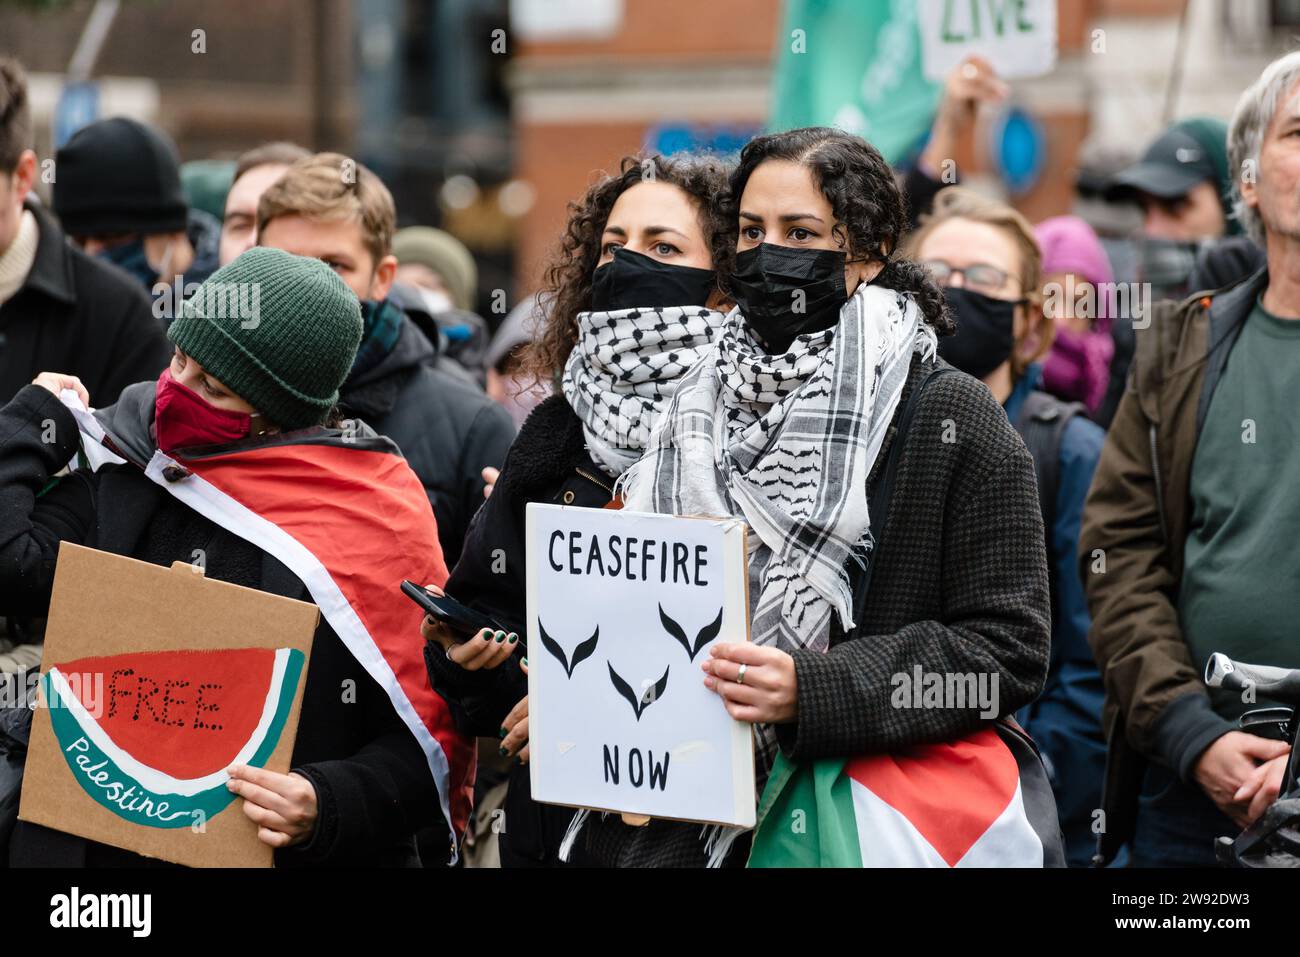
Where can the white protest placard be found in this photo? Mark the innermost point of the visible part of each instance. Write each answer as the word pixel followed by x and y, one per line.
pixel 623 607
pixel 1017 36
pixel 550 20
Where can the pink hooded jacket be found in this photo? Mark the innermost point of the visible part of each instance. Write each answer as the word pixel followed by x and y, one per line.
pixel 1078 367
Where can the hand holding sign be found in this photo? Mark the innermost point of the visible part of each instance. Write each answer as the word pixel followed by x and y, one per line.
pixel 1018 35
pixel 769 692
pixel 971 83
pixel 157 725
pixel 283 806
pixel 514 730
pixel 623 607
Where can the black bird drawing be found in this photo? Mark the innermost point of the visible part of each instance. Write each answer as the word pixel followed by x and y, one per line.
pixel 651 695
pixel 706 635
pixel 580 653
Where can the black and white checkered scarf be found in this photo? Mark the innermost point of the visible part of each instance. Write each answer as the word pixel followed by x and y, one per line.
pixel 623 370
pixel 787 441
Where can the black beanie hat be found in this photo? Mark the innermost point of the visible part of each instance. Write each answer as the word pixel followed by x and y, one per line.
pixel 118 176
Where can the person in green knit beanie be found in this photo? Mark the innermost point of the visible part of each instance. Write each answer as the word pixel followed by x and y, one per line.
pixel 298 504
pixel 436 260
pixel 268 338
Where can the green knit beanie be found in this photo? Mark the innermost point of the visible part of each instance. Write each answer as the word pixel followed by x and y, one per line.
pixel 445 255
pixel 280 331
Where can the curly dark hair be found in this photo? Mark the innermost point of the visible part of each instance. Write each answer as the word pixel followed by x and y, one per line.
pixel 869 208
pixel 567 280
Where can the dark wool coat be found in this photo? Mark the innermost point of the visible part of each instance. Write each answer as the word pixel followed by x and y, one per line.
pixel 960 586
pixel 81 316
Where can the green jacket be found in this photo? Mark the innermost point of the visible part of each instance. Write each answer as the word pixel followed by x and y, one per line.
pixel 1131 547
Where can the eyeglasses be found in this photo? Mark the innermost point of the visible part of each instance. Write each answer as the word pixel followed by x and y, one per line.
pixel 981 277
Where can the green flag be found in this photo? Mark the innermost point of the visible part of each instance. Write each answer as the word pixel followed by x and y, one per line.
pixel 806 818
pixel 854 64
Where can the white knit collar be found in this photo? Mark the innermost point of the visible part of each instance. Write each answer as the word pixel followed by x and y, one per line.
pixel 17 261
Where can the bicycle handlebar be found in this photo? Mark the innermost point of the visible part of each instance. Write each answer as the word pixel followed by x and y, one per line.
pixel 1280 684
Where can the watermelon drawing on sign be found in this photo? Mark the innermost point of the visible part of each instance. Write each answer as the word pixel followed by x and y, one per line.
pixel 169 725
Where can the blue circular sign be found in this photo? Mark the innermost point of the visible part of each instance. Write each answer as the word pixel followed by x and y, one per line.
pixel 1019 149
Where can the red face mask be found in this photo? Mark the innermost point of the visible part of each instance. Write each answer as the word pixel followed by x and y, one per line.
pixel 183 418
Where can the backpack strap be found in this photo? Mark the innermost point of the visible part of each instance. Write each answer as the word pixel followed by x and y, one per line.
pixel 1041 422
pixel 878 500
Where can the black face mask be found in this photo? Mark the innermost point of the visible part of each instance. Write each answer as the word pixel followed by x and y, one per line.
pixel 985 332
pixel 631 281
pixel 785 292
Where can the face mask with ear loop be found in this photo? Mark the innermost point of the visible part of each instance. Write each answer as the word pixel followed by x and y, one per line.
pixel 184 419
pixel 985 334
pixel 785 292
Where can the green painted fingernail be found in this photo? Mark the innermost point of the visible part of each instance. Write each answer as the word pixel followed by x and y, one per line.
pixel 486 634
pixel 513 639
pixel 502 733
pixel 525 661
pixel 501 636
pixel 504 752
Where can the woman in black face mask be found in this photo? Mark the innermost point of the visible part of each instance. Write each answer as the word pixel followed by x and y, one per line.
pixel 882 540
pixel 626 312
pixel 985 254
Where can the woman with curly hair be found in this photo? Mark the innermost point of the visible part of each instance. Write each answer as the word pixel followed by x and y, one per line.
pixel 867 562
pixel 625 313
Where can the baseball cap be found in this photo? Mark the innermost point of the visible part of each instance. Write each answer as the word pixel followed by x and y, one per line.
pixel 1171 167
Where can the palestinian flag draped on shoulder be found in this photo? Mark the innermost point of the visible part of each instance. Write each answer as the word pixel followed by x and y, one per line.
pixel 982 801
pixel 352 556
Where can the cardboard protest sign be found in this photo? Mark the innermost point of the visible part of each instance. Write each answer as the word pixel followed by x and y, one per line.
pixel 623 607
pixel 1017 36
pixel 154 681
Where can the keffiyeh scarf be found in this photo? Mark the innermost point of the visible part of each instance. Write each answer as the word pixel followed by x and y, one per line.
pixel 787 441
pixel 625 368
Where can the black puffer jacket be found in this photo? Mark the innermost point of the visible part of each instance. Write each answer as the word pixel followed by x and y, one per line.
pixel 447 429
pixel 548 463
pixel 371 777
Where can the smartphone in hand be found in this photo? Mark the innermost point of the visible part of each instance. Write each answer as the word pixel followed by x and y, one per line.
pixel 459 618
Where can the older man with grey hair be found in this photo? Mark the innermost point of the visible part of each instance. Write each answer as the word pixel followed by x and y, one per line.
pixel 1188 539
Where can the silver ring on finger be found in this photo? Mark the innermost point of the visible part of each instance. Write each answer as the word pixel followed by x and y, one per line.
pixel 740 678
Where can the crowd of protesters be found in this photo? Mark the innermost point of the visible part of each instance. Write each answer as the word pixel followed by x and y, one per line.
pixel 1084 434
